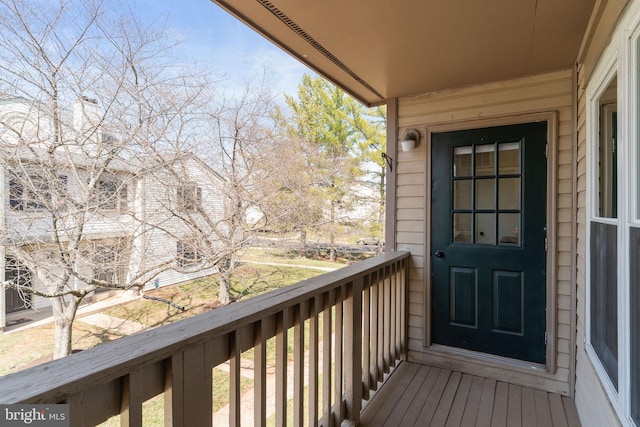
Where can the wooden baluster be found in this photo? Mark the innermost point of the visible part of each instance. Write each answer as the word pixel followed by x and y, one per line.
pixel 234 379
pixel 381 323
pixel 298 360
pixel 366 337
pixel 387 319
pixel 315 305
pixel 393 317
pixel 260 373
pixel 131 408
pixel 327 307
pixel 283 323
pixel 353 344
pixel 174 387
pixel 338 356
pixel 373 367
pixel 404 305
pixel 399 311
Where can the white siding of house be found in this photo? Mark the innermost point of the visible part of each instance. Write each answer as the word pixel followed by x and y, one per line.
pixel 546 93
pixel 146 198
pixel 158 245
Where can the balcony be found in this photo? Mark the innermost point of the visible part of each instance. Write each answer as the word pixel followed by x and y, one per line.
pixel 322 350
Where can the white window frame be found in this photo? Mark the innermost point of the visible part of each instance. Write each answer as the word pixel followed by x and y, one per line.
pixel 621 60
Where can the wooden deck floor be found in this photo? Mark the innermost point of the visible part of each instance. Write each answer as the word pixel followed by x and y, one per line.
pixel 419 395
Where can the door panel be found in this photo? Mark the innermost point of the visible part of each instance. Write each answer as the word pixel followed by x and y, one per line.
pixel 464 297
pixel 508 302
pixel 488 239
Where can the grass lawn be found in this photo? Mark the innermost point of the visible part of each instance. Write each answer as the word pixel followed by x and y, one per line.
pixel 311 258
pixel 33 346
pixel 201 295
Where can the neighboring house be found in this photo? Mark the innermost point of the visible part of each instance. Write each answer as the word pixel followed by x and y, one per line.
pixel 520 203
pixel 132 228
pixel 173 194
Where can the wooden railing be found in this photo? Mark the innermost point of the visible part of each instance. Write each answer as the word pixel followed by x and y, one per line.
pixel 321 346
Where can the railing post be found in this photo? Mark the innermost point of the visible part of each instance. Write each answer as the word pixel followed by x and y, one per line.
pixel 404 317
pixel 189 389
pixel 353 351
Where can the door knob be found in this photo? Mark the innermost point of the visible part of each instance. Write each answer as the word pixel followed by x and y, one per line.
pixel 439 254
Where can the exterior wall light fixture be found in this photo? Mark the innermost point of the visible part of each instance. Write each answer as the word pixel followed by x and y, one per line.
pixel 410 140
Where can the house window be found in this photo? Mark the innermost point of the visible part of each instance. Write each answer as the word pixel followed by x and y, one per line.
pixel 111 195
pixel 604 237
pixel 189 197
pixel 107 263
pixel 613 221
pixel 17 273
pixel 35 192
pixel 187 254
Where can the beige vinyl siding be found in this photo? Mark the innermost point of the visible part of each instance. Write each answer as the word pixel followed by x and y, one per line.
pixel 548 93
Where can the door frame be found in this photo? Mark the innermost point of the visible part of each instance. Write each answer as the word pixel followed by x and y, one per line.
pixel 551 118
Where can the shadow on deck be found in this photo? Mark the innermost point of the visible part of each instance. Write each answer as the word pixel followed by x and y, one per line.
pixel 420 395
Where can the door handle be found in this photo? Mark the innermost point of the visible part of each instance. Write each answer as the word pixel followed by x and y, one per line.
pixel 439 254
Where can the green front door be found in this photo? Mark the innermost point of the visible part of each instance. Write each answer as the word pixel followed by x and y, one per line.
pixel 488 232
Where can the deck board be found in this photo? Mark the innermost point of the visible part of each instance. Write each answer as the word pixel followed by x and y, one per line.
pixel 409 394
pixel 486 403
pixel 419 395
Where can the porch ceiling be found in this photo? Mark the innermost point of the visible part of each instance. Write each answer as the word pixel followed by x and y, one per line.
pixel 380 49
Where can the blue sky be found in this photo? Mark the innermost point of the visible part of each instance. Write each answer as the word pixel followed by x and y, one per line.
pixel 213 38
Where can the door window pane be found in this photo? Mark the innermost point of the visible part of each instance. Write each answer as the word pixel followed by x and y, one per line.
pixel 509 193
pixel 485 160
pixel 509 229
pixel 462 194
pixel 462 227
pixel 462 161
pixel 485 228
pixel 485 193
pixel 509 158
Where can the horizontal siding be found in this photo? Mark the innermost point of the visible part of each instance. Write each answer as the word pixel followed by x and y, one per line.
pixel 544 93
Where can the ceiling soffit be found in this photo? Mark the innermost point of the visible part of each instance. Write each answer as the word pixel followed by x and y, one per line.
pixel 378 49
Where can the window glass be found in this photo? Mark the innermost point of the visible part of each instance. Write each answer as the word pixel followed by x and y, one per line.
pixel 462 161
pixel 485 228
pixel 509 158
pixel 485 160
pixel 462 227
pixel 189 197
pixel 607 171
pixel 509 193
pixel 462 194
pixel 485 193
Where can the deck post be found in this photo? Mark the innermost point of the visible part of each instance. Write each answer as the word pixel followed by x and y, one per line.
pixel 353 351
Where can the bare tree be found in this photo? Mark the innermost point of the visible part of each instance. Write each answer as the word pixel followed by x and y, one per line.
pixel 86 89
pixel 240 151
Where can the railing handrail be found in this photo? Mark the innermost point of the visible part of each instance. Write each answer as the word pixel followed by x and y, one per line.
pixel 54 381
